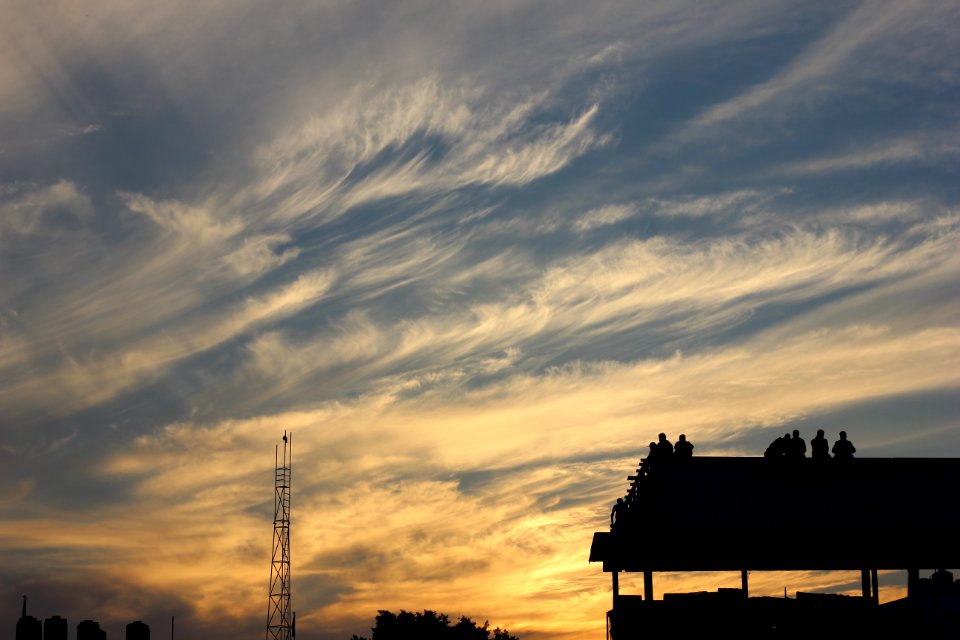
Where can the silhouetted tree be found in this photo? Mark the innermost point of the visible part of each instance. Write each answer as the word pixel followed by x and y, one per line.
pixel 430 625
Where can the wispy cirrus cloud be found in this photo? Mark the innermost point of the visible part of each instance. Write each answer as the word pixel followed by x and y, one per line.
pixel 864 46
pixel 606 215
pixel 925 148
pixel 27 209
pixel 656 287
pixel 360 151
pixel 88 381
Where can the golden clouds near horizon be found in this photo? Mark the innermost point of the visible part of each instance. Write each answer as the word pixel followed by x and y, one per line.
pixel 452 496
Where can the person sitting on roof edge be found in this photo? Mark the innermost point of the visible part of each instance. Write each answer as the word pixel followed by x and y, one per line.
pixel 819 447
pixel 664 448
pixel 798 448
pixel 843 449
pixel 778 448
pixel 683 449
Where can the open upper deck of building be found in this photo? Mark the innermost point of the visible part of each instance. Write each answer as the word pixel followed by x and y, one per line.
pixel 724 513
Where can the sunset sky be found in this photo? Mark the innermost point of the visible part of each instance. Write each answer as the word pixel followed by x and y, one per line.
pixel 474 256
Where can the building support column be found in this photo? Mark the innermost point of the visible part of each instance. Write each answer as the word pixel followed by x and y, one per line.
pixel 913 579
pixel 616 587
pixel 648 585
pixel 876 586
pixel 865 583
pixel 743 583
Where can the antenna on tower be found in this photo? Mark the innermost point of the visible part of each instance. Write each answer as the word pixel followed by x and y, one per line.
pixel 279 618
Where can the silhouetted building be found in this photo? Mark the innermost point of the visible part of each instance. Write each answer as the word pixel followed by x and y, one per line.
pixel 28 627
pixel 90 630
pixel 138 631
pixel 55 628
pixel 742 514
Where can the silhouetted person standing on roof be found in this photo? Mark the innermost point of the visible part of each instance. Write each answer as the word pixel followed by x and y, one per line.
pixel 819 447
pixel 616 514
pixel 683 450
pixel 843 449
pixel 797 449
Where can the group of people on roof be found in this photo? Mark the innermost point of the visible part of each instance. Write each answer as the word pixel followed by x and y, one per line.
pixel 661 453
pixel 663 450
pixel 794 448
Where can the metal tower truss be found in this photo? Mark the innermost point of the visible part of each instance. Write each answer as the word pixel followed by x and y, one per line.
pixel 280 620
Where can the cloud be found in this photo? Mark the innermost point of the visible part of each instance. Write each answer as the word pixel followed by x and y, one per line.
pixel 84 130
pixel 920 149
pixel 736 203
pixel 311 171
pixel 85 382
pixel 195 224
pixel 603 216
pixel 258 254
pixel 634 293
pixel 870 43
pixel 30 209
pixel 375 478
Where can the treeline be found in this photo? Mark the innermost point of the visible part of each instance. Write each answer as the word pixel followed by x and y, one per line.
pixel 430 625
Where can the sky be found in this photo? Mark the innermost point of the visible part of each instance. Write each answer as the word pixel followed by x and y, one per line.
pixel 474 256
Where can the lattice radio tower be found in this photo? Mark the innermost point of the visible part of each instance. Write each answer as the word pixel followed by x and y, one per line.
pixel 281 623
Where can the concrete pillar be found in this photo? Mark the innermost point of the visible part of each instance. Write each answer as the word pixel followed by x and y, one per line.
pixel 865 583
pixel 648 585
pixel 616 587
pixel 743 583
pixel 876 586
pixel 913 578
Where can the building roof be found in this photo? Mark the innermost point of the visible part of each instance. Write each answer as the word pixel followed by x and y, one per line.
pixel 714 514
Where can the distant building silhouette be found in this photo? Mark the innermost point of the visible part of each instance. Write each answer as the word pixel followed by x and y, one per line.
pixel 90 630
pixel 55 628
pixel 138 631
pixel 28 627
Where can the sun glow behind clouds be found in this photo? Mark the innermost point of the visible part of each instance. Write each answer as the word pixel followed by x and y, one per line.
pixel 448 494
pixel 474 258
